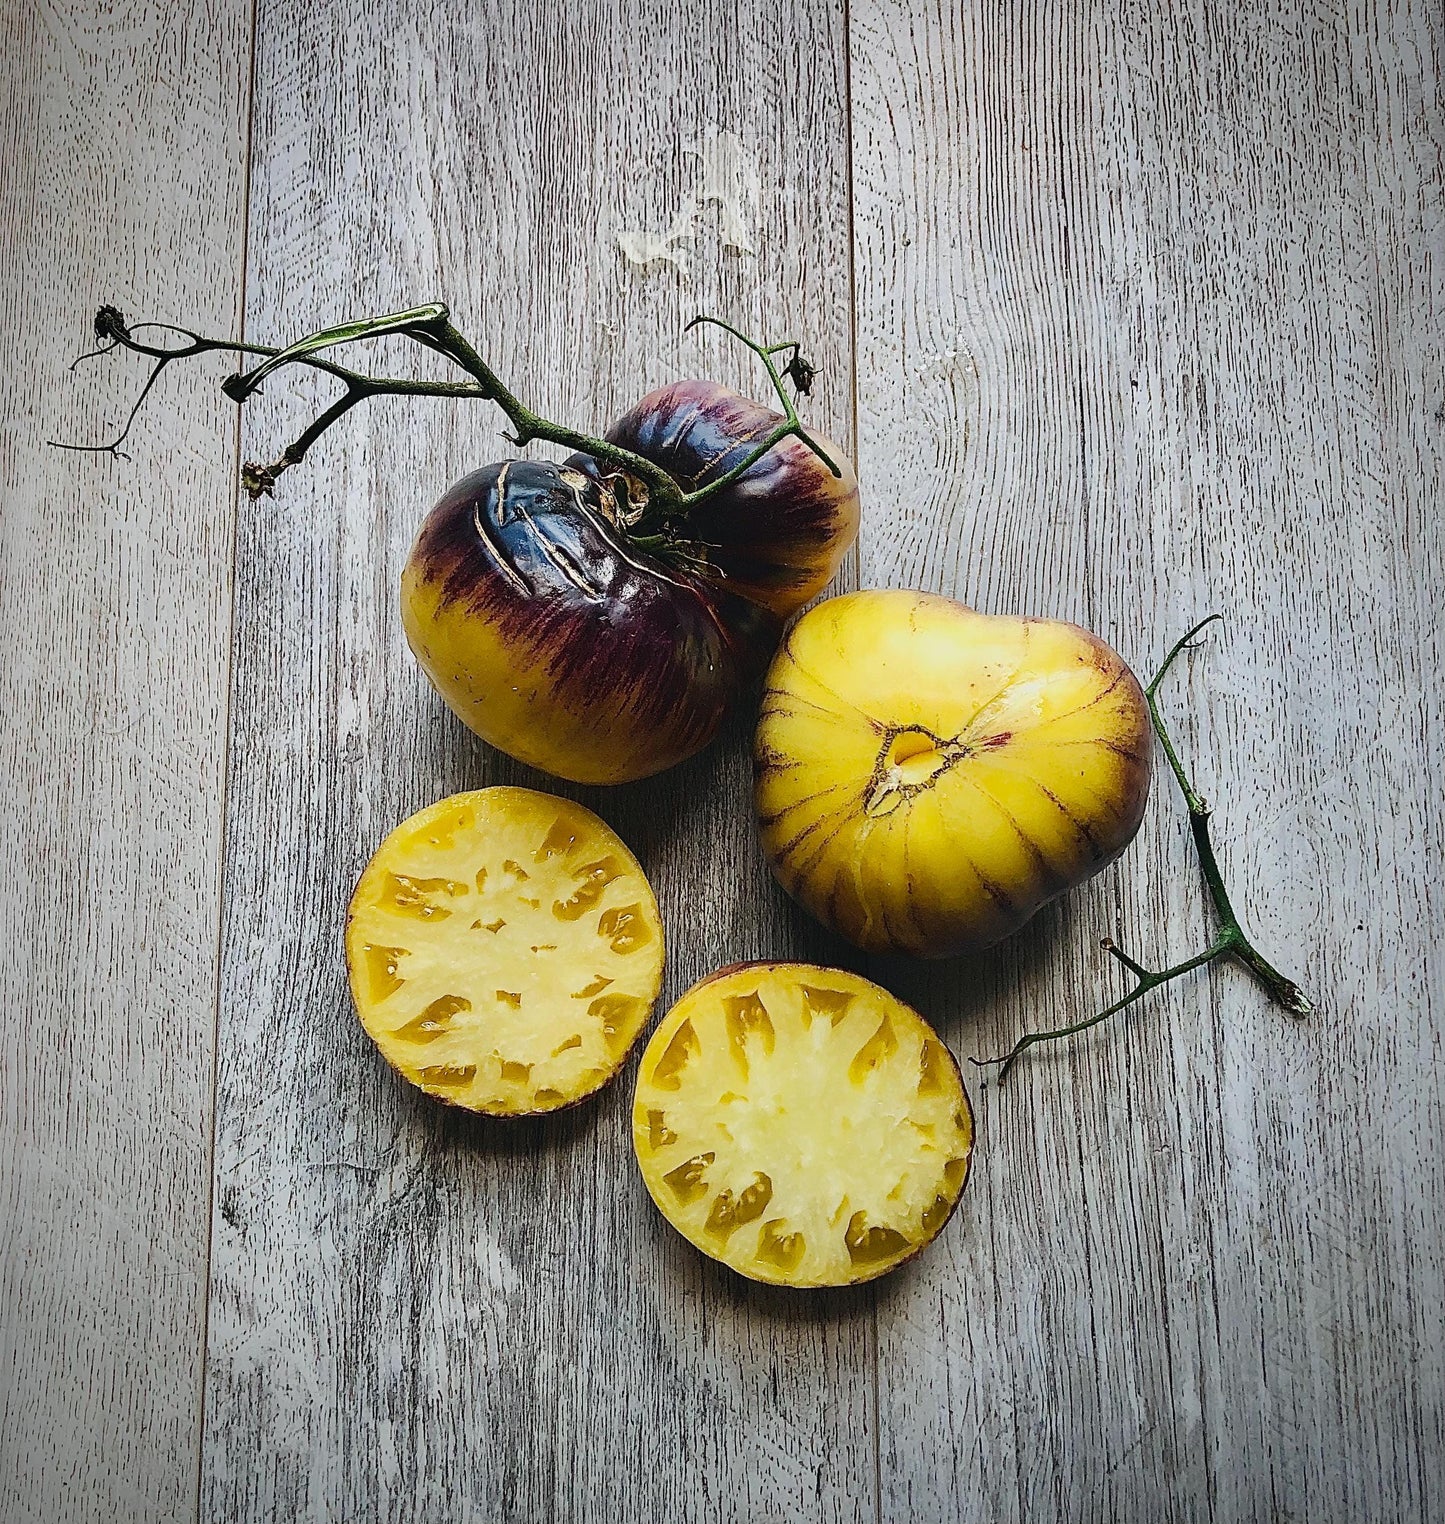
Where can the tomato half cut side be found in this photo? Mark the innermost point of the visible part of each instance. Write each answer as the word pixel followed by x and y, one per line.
pixel 801 1124
pixel 505 951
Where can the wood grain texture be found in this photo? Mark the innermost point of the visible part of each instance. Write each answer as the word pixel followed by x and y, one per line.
pixel 417 1316
pixel 1149 319
pixel 1148 322
pixel 120 181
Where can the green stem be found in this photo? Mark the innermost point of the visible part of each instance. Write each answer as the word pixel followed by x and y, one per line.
pixel 653 496
pixel 431 326
pixel 1230 941
pixel 1148 979
pixel 777 436
pixel 113 332
pixel 791 425
pixel 259 479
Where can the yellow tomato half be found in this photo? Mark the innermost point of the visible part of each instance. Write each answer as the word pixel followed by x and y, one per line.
pixel 801 1124
pixel 505 951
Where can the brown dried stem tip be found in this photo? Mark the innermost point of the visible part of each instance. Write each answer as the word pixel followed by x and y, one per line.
pixel 1231 940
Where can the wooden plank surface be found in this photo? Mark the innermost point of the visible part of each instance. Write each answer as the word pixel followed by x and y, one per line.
pixel 120 181
pixel 1149 324
pixel 415 1315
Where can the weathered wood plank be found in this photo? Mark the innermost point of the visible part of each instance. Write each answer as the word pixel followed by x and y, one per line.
pixel 122 147
pixel 415 1316
pixel 1150 313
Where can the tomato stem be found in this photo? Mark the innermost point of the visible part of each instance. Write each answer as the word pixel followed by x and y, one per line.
pixel 1231 939
pixel 658 495
pixel 802 374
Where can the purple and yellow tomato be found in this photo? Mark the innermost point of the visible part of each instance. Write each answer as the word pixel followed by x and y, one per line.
pixel 567 639
pixel 928 777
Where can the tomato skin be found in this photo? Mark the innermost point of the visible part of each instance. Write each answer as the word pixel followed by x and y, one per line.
pixel 780 532
pixel 553 637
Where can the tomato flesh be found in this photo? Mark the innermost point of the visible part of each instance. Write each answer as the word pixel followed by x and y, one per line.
pixel 801 1125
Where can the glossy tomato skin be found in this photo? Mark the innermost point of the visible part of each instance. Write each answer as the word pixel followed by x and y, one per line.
pixel 780 532
pixel 553 637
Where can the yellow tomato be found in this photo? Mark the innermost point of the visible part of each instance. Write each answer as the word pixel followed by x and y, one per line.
pixel 927 777
pixel 801 1124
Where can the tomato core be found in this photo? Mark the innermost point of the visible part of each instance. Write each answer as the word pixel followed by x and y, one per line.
pixel 914 756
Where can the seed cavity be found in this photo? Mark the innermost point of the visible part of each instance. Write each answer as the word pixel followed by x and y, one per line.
pixel 824 1002
pixel 617 1013
pixel 746 1018
pixel 381 970
pixel 436 1019
pixel 775 1247
pixel 574 1041
pixel 680 1052
pixel 625 928
pixel 595 879
pixel 448 1076
pixel 443 834
pixel 516 1074
pixel 727 1215
pixel 549 1097
pixel 517 871
pixel 872 1245
pixel 414 897
pixel 492 926
pixel 686 1181
pixel 877 1050
pixel 596 987
pixel 558 842
pixel 511 998
pixel 931 1067
pixel 659 1134
pixel 935 1217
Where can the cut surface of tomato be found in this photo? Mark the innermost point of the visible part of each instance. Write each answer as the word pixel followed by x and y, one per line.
pixel 505 951
pixel 801 1124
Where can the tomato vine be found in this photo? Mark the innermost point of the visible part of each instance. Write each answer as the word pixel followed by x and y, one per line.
pixel 652 496
pixel 1230 940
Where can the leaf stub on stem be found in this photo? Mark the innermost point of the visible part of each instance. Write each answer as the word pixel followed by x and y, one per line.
pixel 660 497
pixel 1231 939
